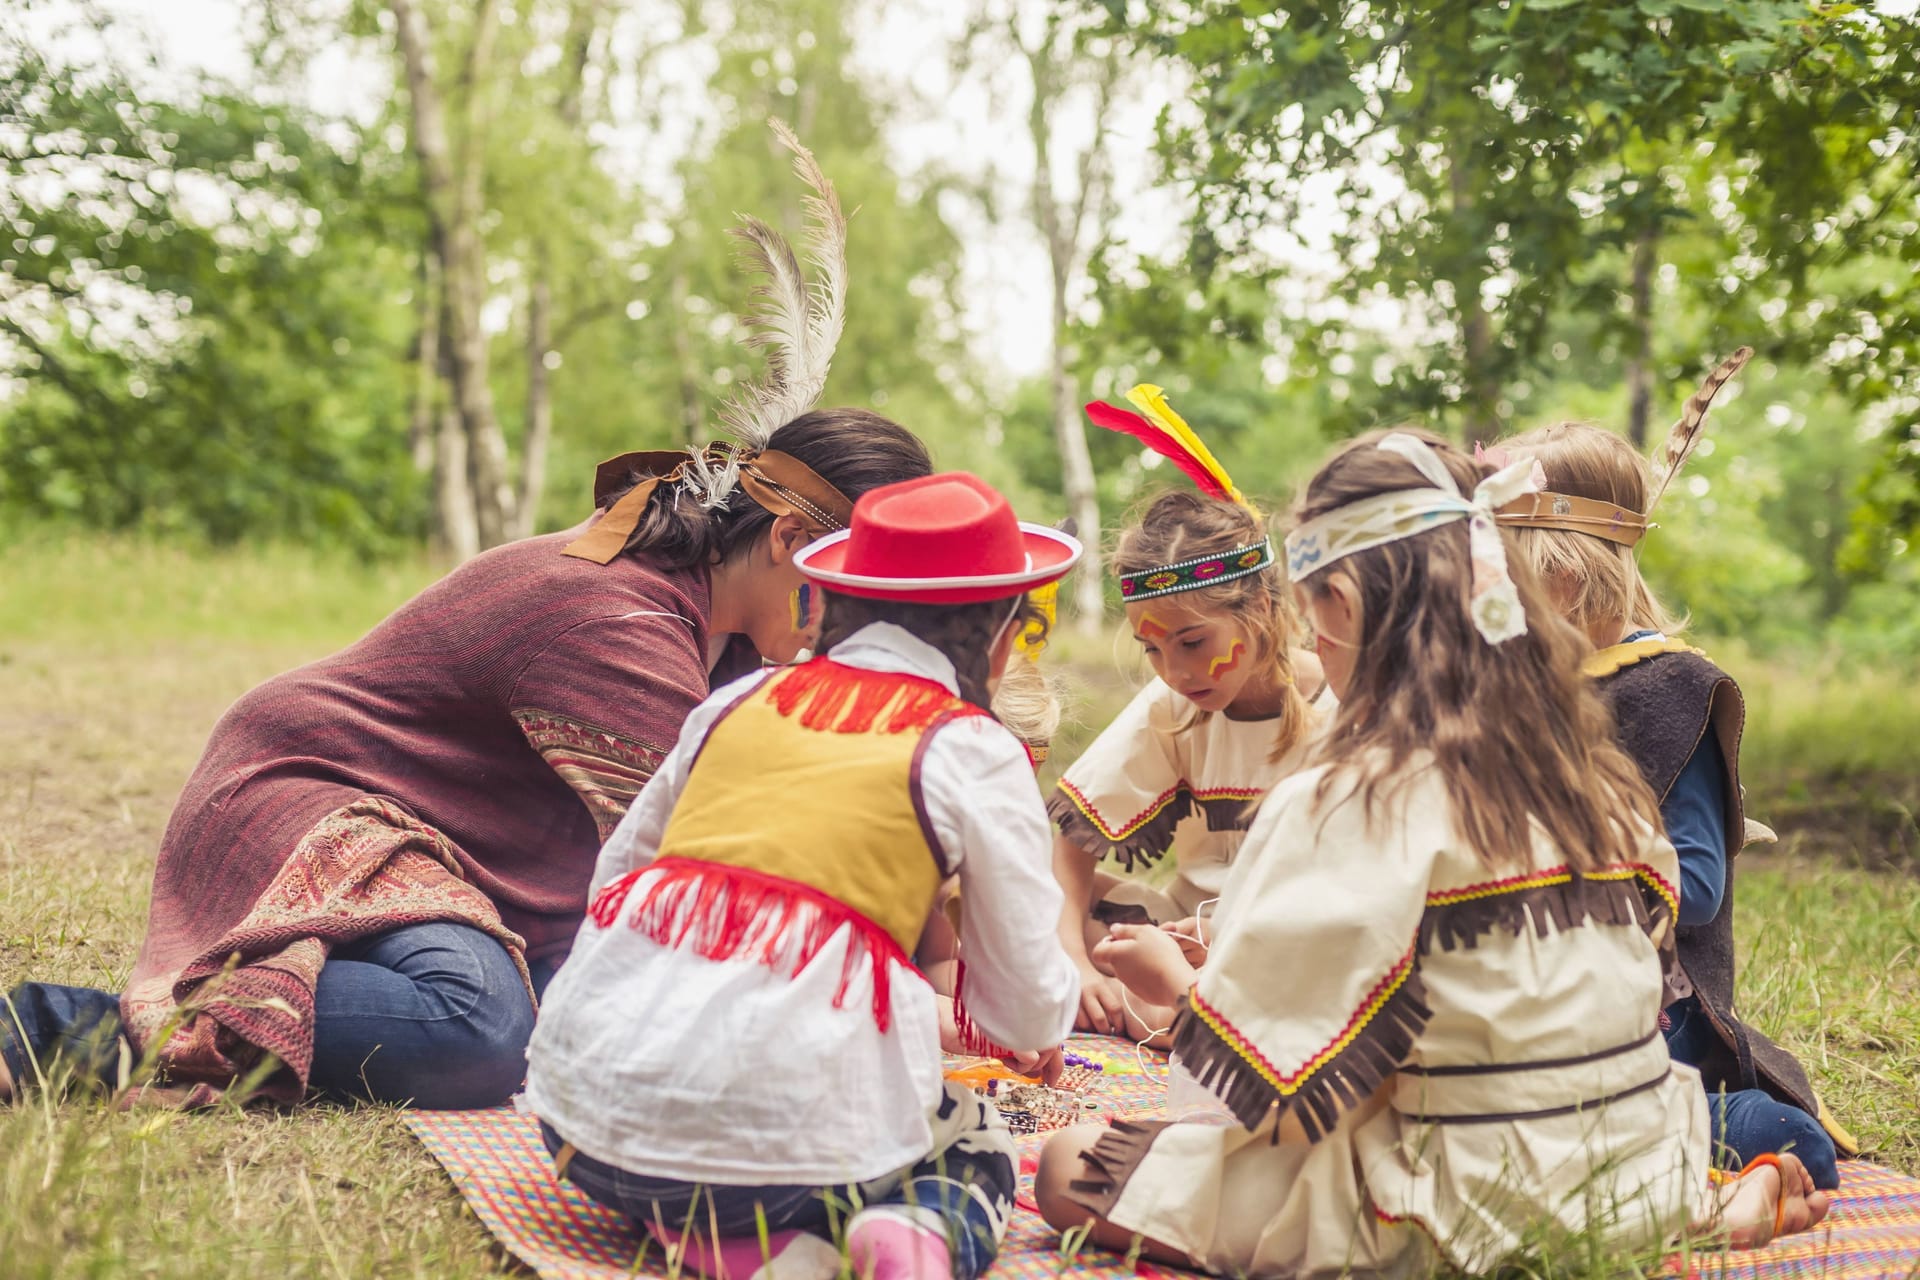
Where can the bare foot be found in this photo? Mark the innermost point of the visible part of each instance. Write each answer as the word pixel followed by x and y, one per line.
pixel 1766 1202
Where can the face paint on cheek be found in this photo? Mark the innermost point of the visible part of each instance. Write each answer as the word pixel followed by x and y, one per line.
pixel 1226 662
pixel 801 602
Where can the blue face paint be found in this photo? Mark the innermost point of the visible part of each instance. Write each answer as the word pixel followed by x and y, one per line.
pixel 802 603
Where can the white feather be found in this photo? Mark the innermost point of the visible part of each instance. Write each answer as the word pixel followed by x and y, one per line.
pixel 799 322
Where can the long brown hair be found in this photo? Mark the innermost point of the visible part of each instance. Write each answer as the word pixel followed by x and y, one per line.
pixel 1597 580
pixel 853 450
pixel 1181 524
pixel 1516 732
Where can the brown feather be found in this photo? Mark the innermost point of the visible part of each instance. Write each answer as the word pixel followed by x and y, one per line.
pixel 1687 433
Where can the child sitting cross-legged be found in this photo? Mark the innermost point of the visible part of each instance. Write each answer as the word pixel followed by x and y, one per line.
pixel 739 1054
pixel 1431 999
pixel 1679 716
pixel 1182 768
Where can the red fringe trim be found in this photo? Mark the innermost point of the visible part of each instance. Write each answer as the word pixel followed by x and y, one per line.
pixel 725 911
pixel 972 1039
pixel 842 699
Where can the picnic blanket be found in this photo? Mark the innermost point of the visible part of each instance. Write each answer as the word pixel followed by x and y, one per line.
pixel 498 1162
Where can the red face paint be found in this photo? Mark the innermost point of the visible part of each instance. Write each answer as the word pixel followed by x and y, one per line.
pixel 1227 662
pixel 1149 628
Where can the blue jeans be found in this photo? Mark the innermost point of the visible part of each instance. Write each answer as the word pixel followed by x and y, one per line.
pixel 970 1185
pixel 432 1014
pixel 1750 1122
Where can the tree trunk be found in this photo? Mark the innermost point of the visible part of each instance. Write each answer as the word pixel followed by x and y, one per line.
pixel 533 449
pixel 456 530
pixel 539 426
pixel 453 212
pixel 684 362
pixel 1062 235
pixel 1476 327
pixel 1640 367
pixel 426 369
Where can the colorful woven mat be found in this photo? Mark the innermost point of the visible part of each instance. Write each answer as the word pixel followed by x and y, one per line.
pixel 499 1164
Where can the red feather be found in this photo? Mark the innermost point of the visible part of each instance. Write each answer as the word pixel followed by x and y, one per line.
pixel 1132 424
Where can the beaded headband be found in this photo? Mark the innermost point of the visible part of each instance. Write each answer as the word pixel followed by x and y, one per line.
pixel 1201 571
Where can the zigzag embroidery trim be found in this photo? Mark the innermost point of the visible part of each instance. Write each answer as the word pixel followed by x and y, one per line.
pixel 1556 876
pixel 1287 1085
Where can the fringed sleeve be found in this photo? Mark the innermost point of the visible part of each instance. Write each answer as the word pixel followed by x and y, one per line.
pixel 1312 996
pixel 1125 795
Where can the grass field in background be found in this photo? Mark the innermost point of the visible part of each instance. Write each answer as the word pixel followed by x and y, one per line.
pixel 116 659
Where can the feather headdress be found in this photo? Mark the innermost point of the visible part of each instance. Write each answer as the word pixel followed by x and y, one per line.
pixel 1165 432
pixel 798 321
pixel 1686 434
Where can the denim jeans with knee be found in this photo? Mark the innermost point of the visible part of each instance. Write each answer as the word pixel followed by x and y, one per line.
pixel 433 1014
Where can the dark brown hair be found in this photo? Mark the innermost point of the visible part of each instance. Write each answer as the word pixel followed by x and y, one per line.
pixel 1516 732
pixel 853 450
pixel 1181 524
pixel 962 632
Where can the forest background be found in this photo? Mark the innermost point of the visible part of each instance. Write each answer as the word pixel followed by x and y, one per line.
pixel 287 332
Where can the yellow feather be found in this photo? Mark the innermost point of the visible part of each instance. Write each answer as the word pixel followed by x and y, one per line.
pixel 1033 639
pixel 1151 401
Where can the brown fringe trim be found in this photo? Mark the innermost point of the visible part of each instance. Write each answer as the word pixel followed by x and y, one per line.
pixel 1110 1162
pixel 1142 846
pixel 1369 1050
pixel 1229 813
pixel 1544 909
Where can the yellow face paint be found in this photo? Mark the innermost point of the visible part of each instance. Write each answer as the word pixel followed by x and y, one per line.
pixel 1150 627
pixel 1227 661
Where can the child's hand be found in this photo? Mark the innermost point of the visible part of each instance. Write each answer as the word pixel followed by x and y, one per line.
pixel 1187 934
pixel 1147 960
pixel 1046 1066
pixel 1100 1007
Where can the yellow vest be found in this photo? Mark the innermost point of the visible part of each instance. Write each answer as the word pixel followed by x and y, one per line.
pixel 801 815
pixel 814 778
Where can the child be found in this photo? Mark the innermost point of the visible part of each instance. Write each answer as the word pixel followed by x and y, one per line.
pixel 739 1047
pixel 1666 696
pixel 1431 997
pixel 1223 719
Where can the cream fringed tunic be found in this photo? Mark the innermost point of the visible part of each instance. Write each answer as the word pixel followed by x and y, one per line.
pixel 1167 777
pixel 1474 1055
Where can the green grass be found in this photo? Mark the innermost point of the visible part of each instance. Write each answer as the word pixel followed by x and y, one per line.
pixel 116 659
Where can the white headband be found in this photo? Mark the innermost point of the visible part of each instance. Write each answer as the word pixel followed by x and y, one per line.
pixel 1403 513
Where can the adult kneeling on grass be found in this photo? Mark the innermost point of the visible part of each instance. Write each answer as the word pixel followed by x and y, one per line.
pixel 383 855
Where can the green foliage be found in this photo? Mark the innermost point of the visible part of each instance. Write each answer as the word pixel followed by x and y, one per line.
pixel 199 297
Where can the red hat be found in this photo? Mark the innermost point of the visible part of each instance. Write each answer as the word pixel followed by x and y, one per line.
pixel 945 539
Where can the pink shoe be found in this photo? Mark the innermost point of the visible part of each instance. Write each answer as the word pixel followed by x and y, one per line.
pixel 789 1255
pixel 898 1242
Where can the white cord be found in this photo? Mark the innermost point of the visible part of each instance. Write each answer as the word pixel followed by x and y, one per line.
pixel 1140 1048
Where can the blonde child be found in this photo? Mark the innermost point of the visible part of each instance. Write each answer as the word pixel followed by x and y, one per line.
pixel 1679 718
pixel 1224 718
pixel 1431 997
pixel 739 1044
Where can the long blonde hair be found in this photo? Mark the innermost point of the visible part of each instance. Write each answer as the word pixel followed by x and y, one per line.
pixel 1181 524
pixel 1517 734
pixel 1596 580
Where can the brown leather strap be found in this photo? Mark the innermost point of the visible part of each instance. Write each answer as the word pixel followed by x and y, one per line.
pixel 1575 515
pixel 778 482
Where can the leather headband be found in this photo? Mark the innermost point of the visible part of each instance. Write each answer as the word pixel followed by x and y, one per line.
pixel 778 482
pixel 1575 515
